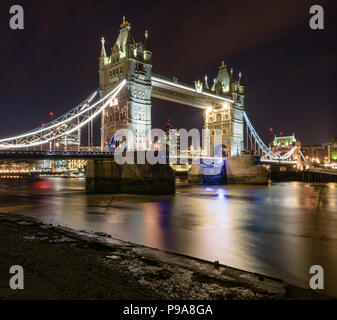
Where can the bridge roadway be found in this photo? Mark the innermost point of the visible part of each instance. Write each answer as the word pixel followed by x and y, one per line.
pixel 64 155
pixel 53 155
pixel 84 155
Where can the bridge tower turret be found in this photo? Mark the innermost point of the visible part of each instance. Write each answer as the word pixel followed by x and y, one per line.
pixel 132 61
pixel 228 118
pixel 237 112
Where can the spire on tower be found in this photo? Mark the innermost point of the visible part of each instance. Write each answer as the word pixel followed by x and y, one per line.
pixel 147 42
pixel 232 86
pixel 222 79
pixel 240 78
pixel 147 49
pixel 223 66
pixel 231 76
pixel 206 82
pixel 125 23
pixel 103 52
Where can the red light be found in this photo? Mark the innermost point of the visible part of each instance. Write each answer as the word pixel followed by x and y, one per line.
pixel 271 129
pixel 51 114
pixel 42 184
pixel 43 124
pixel 281 133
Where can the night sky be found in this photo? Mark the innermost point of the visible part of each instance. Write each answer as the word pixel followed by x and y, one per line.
pixel 289 70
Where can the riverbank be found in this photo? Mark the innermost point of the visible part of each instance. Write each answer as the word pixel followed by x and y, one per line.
pixel 60 263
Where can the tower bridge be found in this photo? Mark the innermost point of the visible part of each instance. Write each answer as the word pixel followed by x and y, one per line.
pixel 223 103
pixel 123 101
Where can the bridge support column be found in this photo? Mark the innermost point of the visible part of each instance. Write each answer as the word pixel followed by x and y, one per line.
pixel 239 169
pixel 106 176
pixel 246 170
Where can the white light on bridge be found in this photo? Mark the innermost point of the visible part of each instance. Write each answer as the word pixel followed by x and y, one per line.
pixel 225 106
pixel 113 102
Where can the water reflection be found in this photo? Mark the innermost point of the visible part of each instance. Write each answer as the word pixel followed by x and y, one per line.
pixel 280 230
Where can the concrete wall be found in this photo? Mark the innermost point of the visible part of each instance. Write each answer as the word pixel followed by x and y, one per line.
pixel 237 169
pixel 243 169
pixel 106 176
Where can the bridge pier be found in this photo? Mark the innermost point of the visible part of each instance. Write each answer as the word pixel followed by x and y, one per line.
pixel 236 170
pixel 106 176
pixel 246 169
pixel 197 175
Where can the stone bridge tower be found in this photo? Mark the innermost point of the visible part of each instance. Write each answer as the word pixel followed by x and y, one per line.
pixel 132 109
pixel 229 119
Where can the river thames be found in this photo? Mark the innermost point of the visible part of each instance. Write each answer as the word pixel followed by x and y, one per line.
pixel 278 230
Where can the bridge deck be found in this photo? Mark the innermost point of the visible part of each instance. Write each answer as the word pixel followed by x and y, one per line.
pixel 53 155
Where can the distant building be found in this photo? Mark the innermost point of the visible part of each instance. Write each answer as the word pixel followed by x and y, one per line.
pixel 316 153
pixel 332 152
pixel 12 167
pixel 69 165
pixel 172 139
pixel 282 145
pixel 70 142
pixel 43 165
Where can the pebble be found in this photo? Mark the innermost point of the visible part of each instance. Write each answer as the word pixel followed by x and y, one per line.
pixel 113 257
pixel 24 223
pixel 101 234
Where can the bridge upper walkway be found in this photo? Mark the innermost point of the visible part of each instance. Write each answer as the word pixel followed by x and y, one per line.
pixel 175 90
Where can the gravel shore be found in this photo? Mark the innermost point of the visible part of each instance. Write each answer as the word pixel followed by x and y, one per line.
pixel 60 263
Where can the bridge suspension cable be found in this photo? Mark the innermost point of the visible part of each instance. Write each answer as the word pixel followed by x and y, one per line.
pixel 257 138
pixel 64 125
pixel 265 150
